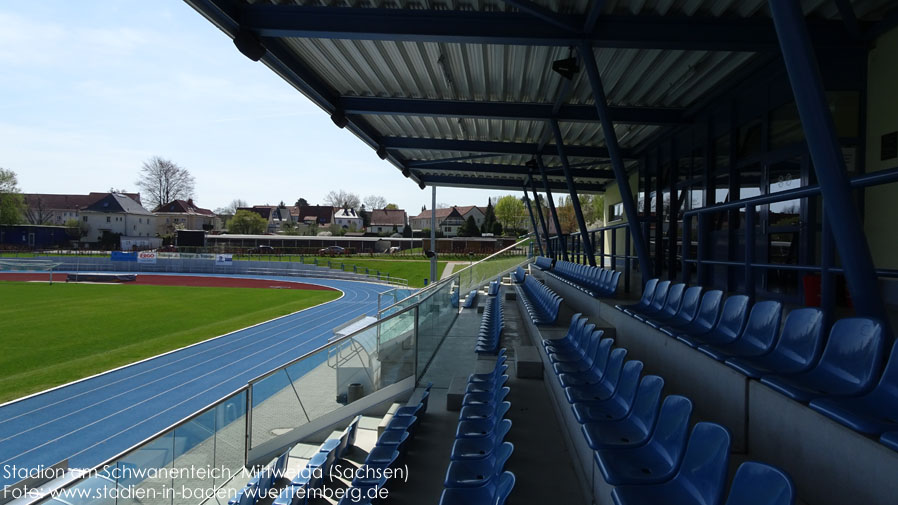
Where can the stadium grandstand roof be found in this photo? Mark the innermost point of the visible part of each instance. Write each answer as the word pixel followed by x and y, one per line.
pixel 463 93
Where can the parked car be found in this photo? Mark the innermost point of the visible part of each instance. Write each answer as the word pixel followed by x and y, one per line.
pixel 332 250
pixel 393 250
pixel 262 249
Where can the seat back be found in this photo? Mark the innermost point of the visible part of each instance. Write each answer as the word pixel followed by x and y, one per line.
pixel 709 309
pixel 500 456
pixel 704 466
pixel 644 413
pixel 759 484
pixel 614 367
pixel 854 351
pixel 625 394
pixel 801 340
pixel 674 299
pixel 503 488
pixel 600 359
pixel 732 317
pixel 669 435
pixel 613 282
pixel 763 323
pixel 648 291
pixel 660 296
pixel 689 307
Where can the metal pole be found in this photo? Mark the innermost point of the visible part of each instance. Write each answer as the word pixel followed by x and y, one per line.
pixel 827 289
pixel 433 234
pixel 558 233
pixel 749 251
pixel 617 162
pixel 542 220
pixel 575 200
pixel 533 222
pixel 826 153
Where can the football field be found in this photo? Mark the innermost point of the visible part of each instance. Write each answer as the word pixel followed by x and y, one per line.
pixel 55 334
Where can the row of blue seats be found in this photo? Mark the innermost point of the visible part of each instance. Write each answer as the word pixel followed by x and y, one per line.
pixel 392 445
pixel 643 445
pixel 543 263
pixel 494 287
pixel 491 325
pixel 594 281
pixel 542 303
pixel 317 469
pixel 837 379
pixel 260 485
pixel 476 473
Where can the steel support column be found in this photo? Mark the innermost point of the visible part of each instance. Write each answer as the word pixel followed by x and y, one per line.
pixel 559 234
pixel 617 162
pixel 433 233
pixel 575 200
pixel 533 223
pixel 542 220
pixel 823 143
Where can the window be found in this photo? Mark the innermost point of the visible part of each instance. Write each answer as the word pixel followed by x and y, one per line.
pixel 616 212
pixel 85 219
pixel 108 219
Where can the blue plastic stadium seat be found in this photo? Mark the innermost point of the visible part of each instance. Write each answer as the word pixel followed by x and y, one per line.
pixel 648 291
pixel 700 480
pixel 487 398
pixel 760 484
pixel 481 428
pixel 470 299
pixel 491 326
pixel 850 363
pixel 758 336
pixel 670 306
pixel 494 288
pixel 595 373
pixel 477 472
pixel 569 338
pixel 658 301
pixel 475 412
pixel 604 389
pixel 291 495
pixel 494 492
pixel 621 401
pixel 890 439
pixel 688 307
pixel 874 413
pixel 476 448
pixel 728 327
pixel 489 377
pixel 797 349
pixel 518 275
pixel 704 319
pixel 397 439
pixel 608 286
pixel 382 456
pixel 542 303
pixel 543 263
pixel 634 429
pixel 487 387
pixel 655 461
pixel 583 346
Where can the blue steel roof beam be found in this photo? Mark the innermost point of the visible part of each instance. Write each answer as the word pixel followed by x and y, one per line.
pixel 595 10
pixel 848 17
pixel 508 28
pixel 282 61
pixel 493 168
pixel 547 15
pixel 485 183
pixel 424 163
pixel 507 110
pixel 480 146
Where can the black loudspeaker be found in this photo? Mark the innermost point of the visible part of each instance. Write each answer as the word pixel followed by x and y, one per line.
pixel 248 44
pixel 339 119
pixel 382 153
pixel 566 67
pixel 421 185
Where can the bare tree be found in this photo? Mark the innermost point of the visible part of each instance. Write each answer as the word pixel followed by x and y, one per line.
pixel 163 181
pixel 375 202
pixel 343 198
pixel 37 213
pixel 232 207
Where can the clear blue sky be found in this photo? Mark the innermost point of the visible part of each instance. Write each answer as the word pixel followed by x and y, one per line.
pixel 91 89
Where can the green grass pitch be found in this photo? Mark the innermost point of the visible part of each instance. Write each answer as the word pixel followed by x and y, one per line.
pixel 55 334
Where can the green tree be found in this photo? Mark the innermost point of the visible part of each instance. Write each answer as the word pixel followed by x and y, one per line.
pixel 469 228
pixel 12 204
pixel 407 231
pixel 302 202
pixel 75 228
pixel 510 212
pixel 391 206
pixel 246 222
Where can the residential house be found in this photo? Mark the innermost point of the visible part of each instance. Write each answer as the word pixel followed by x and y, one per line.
pixel 118 214
pixel 348 219
pixel 320 215
pixel 183 215
pixel 276 216
pixel 448 220
pixel 49 209
pixel 387 221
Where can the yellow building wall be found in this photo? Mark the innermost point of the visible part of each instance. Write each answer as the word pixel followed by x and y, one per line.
pixel 612 197
pixel 881 203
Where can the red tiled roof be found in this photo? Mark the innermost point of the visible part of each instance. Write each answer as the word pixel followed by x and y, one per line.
pixel 388 217
pixel 183 207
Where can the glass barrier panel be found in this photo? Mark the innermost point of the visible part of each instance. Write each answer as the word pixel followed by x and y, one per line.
pixel 395 349
pixel 194 458
pixel 143 476
pixel 276 406
pixel 230 438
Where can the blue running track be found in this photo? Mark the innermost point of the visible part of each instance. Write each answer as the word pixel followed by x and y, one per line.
pixel 92 420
